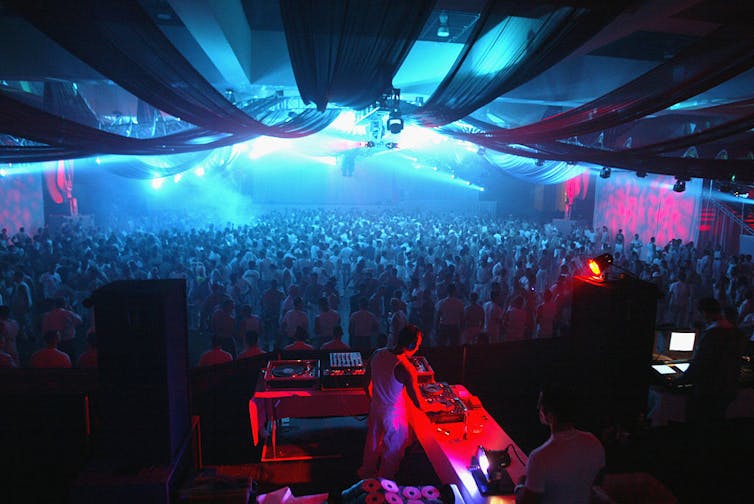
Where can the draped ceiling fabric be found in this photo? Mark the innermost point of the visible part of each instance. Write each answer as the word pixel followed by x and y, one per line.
pixel 716 59
pixel 498 56
pixel 348 51
pixel 725 53
pixel 120 40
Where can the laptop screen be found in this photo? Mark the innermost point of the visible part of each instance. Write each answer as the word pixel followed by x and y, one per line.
pixel 681 341
pixel 683 366
pixel 663 369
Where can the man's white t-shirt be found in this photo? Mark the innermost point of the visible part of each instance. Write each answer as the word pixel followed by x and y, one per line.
pixel 564 468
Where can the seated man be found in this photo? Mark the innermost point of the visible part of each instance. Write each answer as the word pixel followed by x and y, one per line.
pixel 299 343
pixel 6 359
pixel 336 343
pixel 251 339
pixel 216 355
pixel 88 359
pixel 566 466
pixel 50 356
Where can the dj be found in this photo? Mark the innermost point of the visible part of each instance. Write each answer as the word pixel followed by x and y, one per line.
pixel 387 426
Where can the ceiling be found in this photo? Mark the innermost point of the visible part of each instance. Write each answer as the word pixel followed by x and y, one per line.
pixel 239 46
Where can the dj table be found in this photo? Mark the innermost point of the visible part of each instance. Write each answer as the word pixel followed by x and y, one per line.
pixel 450 446
pixel 272 405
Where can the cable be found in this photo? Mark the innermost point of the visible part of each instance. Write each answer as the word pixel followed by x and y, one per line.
pixel 515 451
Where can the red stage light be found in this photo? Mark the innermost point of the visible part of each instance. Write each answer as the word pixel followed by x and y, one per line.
pixel 598 265
pixel 594 267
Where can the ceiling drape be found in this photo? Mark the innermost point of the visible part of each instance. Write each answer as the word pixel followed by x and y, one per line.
pixel 512 42
pixel 348 51
pixel 120 40
pixel 716 59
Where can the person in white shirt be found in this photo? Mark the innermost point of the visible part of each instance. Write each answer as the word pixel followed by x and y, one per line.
pixel 325 322
pixel 449 318
pixel 569 463
pixel 295 318
pixel 387 425
pixel 493 318
pixel 398 320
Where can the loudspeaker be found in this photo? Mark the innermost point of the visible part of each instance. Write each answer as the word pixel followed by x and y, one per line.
pixel 143 414
pixel 612 331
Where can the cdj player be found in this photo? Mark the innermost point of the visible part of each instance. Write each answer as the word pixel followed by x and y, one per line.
pixel 291 374
pixel 424 372
pixel 451 407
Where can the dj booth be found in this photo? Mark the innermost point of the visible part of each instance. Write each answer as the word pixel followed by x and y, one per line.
pixel 451 435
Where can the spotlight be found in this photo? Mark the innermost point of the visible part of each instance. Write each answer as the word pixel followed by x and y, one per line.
pixel 641 174
pixel 395 122
pixel 679 186
pixel 598 265
pixel 488 469
pixel 605 172
pixel 443 31
pixel 540 162
pixel 369 144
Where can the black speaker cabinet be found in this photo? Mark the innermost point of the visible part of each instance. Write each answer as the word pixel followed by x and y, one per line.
pixel 143 414
pixel 612 331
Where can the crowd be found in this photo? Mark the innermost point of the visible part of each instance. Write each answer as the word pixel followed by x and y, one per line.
pixel 352 276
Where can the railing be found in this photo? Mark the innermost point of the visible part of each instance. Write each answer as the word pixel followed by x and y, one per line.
pixel 722 226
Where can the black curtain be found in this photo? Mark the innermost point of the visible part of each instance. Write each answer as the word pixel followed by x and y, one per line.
pixel 347 51
pixel 119 39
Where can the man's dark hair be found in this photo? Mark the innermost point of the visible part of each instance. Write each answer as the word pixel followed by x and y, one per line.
pixel 51 336
pixel 300 334
pixel 559 400
pixel 251 338
pixel 408 337
pixel 709 305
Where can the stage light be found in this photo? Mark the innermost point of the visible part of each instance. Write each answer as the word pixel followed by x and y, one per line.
pixel 443 31
pixel 679 186
pixel 177 177
pixel 605 172
pixel 157 183
pixel 540 162
pixel 488 469
pixel 199 172
pixel 391 145
pixel 395 122
pixel 598 265
pixel 641 174
pixel 369 144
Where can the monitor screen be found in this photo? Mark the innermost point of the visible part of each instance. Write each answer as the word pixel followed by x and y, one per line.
pixel 681 341
pixel 663 369
pixel 683 366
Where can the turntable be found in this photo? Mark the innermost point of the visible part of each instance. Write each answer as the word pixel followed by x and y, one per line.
pixel 291 374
